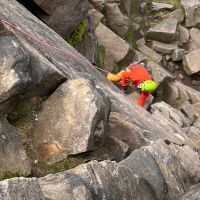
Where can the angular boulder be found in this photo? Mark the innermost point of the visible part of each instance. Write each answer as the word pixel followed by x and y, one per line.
pixel 116 21
pixel 183 34
pixel 175 164
pixel 191 62
pixel 164 47
pixel 175 115
pixel 73 121
pixel 177 14
pixel 191 9
pixel 117 47
pixel 178 54
pixel 161 6
pixel 165 31
pixel 15 72
pixel 13 157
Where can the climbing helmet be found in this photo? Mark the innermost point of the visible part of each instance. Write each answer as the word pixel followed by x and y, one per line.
pixel 148 86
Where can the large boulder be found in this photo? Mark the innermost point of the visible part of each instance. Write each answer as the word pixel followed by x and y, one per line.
pixel 63 16
pixel 116 21
pixel 165 31
pixel 73 121
pixel 191 9
pixel 13 157
pixel 15 73
pixel 183 34
pixel 117 47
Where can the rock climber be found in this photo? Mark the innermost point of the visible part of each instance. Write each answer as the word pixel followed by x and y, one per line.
pixel 139 74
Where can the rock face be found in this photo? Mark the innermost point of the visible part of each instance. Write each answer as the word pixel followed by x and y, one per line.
pixel 63 16
pixel 13 158
pixel 72 121
pixel 15 73
pixel 143 175
pixel 164 31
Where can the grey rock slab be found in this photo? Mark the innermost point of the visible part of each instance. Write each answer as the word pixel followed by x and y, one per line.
pixel 116 21
pixel 183 34
pixel 149 53
pixel 177 14
pixel 165 48
pixel 193 193
pixel 117 47
pixel 175 164
pixel 15 73
pixel 178 54
pixel 191 110
pixel 13 157
pixel 191 62
pixel 194 42
pixel 169 112
pixel 176 94
pixel 21 189
pixel 165 31
pixel 194 134
pixel 63 16
pixel 143 164
pixel 116 147
pixel 73 121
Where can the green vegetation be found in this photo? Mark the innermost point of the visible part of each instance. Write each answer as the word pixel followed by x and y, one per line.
pixel 77 35
pixel 101 56
pixel 22 111
pixel 130 37
pixel 9 174
pixel 63 165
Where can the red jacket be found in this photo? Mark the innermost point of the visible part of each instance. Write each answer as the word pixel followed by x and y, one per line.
pixel 137 75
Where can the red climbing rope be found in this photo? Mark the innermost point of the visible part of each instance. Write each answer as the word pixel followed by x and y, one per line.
pixel 33 39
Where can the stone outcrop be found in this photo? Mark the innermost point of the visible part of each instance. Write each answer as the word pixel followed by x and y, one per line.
pixel 72 121
pixel 163 47
pixel 177 14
